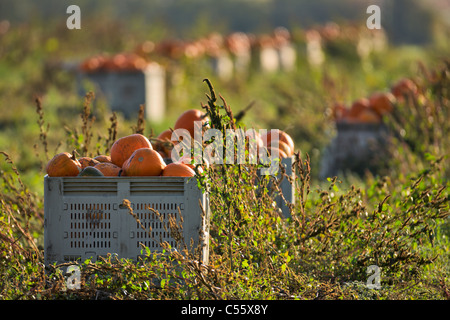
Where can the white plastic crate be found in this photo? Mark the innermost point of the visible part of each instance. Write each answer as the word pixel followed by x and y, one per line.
pixel 85 218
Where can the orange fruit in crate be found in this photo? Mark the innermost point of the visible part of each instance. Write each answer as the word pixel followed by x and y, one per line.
pixel 164 144
pixel 403 87
pixel 165 135
pixel 118 62
pixel 339 111
pixel 102 158
pixel 87 162
pixel 135 62
pixel 281 153
pixel 63 164
pixel 178 169
pixel 188 119
pixel 282 136
pixel 283 146
pixel 143 162
pixel 124 147
pixel 187 160
pixel 368 116
pixel 92 64
pixel 108 169
pixel 358 106
pixel 382 102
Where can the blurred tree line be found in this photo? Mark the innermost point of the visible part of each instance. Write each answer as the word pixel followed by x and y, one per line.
pixel 406 21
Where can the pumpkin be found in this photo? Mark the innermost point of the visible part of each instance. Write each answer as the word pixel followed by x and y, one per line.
pixel 102 158
pixel 382 102
pixel 282 136
pixel 281 153
pixel 143 162
pixel 135 62
pixel 108 169
pixel 187 120
pixel 63 164
pixel 358 106
pixel 116 62
pixel 368 116
pixel 165 135
pixel 90 172
pixel 178 169
pixel 339 111
pixel 283 146
pixel 87 162
pixel 92 64
pixel 188 160
pixel 403 87
pixel 124 147
pixel 164 143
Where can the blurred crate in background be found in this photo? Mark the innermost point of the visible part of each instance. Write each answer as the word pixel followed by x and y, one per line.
pixel 125 91
pixel 357 147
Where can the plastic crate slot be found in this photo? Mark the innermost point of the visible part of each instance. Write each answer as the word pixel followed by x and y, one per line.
pixel 94 187
pixel 147 187
pixel 72 257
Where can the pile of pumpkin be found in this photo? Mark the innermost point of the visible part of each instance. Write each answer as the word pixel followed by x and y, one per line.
pixel 372 109
pixel 188 119
pixel 135 155
pixel 117 62
pixel 132 155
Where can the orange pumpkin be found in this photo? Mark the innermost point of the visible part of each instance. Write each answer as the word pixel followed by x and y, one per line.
pixel 358 106
pixel 282 136
pixel 281 153
pixel 188 119
pixel 63 164
pixel 403 87
pixel 135 62
pixel 116 62
pixel 92 64
pixel 165 135
pixel 339 111
pixel 108 169
pixel 178 169
pixel 283 146
pixel 368 116
pixel 143 162
pixel 87 162
pixel 165 142
pixel 187 160
pixel 102 158
pixel 382 102
pixel 124 147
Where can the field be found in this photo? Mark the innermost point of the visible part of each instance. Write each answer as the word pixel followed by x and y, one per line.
pixel 395 217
